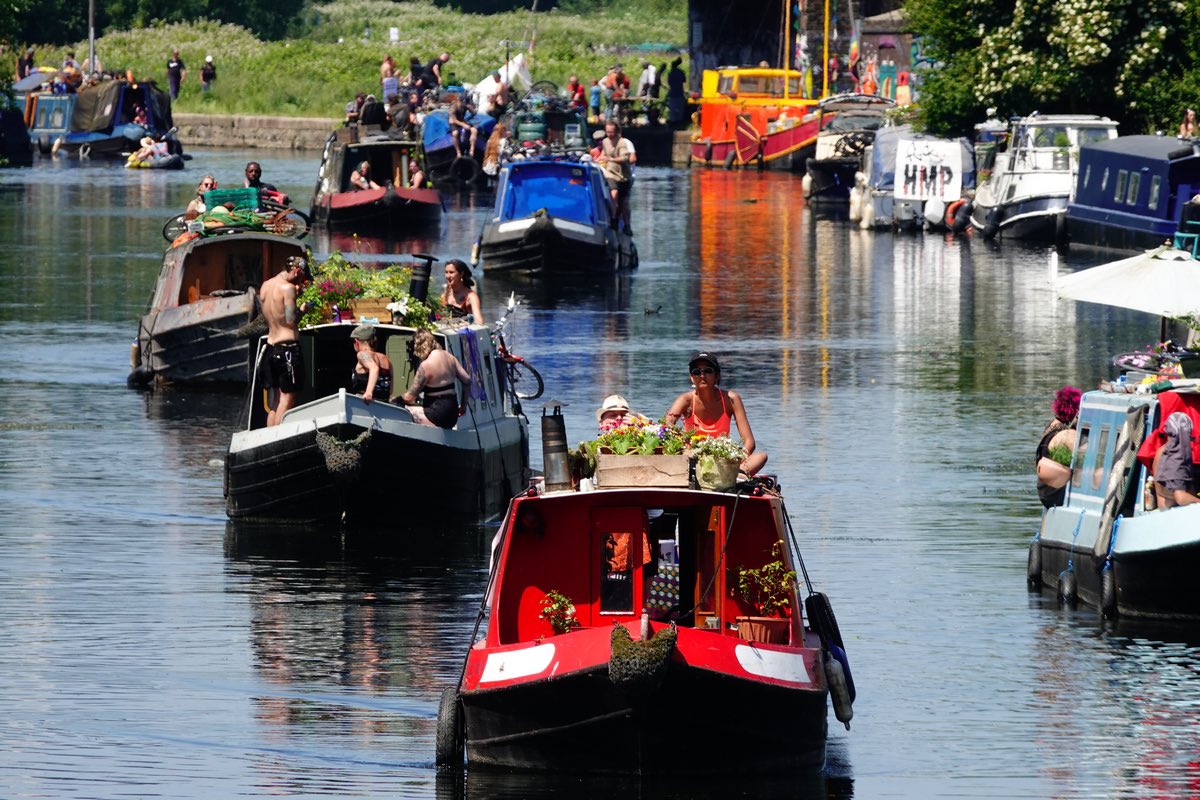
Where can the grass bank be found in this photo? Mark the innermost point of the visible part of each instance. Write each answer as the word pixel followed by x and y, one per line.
pixel 316 75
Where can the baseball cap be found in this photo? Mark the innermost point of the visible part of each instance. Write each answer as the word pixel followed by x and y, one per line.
pixel 701 355
pixel 363 332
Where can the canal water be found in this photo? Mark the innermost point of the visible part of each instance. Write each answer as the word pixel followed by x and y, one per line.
pixel 899 384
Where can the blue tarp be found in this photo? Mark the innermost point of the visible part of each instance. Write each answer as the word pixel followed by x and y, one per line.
pixel 562 188
pixel 435 131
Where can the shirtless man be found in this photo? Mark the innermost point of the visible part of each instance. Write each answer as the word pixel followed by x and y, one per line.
pixel 285 364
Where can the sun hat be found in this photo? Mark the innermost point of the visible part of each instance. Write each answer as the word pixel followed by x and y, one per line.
pixel 701 355
pixel 208 59
pixel 614 402
pixel 147 141
pixel 363 332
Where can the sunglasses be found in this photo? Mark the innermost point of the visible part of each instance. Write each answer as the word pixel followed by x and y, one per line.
pixel 698 371
pixel 208 186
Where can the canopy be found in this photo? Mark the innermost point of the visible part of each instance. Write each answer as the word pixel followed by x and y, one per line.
pixel 33 80
pixel 515 73
pixel 1163 281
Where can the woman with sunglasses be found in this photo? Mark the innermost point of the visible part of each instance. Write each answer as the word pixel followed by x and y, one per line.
pixel 197 207
pixel 712 411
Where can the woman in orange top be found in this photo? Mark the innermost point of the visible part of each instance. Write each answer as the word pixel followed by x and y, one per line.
pixel 712 411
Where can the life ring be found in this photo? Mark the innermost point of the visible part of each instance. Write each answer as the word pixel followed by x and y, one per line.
pixel 1067 588
pixel 448 744
pixel 464 168
pixel 952 212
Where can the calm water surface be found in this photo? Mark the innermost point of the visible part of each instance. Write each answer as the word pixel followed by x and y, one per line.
pixel 899 383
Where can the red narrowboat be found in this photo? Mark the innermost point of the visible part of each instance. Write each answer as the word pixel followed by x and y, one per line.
pixel 619 639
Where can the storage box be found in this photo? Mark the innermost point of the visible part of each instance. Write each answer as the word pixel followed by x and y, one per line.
pixel 372 308
pixel 660 470
pixel 243 198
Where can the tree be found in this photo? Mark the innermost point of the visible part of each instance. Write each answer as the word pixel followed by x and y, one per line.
pixel 1052 56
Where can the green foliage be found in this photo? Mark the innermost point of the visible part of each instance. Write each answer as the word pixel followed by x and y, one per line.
pixel 1061 453
pixel 768 588
pixel 314 74
pixel 337 281
pixel 1056 56
pixel 559 611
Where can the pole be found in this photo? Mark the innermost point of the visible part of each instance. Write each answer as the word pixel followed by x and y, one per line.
pixel 92 36
pixel 787 45
pixel 825 56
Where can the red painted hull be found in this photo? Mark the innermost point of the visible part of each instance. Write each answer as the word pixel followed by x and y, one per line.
pixel 384 208
pixel 785 149
pixel 571 702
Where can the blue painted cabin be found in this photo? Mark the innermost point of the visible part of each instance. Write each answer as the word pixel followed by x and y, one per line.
pixel 1131 193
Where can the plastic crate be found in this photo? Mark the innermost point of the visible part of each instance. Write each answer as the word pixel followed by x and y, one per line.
pixel 246 199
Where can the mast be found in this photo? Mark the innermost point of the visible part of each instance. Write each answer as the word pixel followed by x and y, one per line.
pixel 786 61
pixel 825 56
pixel 92 36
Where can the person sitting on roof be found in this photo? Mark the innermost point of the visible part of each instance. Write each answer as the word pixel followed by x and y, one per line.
pixel 460 129
pixel 139 116
pixel 1174 472
pixel 197 206
pixel 712 411
pixel 615 412
pixel 361 177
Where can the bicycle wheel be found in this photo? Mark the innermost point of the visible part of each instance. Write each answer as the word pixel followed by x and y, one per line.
pixel 291 222
pixel 526 388
pixel 175 227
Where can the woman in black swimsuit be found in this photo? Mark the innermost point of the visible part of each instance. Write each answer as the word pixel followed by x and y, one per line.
pixel 435 381
pixel 372 371
pixel 459 296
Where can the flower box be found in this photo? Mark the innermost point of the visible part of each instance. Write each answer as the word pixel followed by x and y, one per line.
pixel 635 470
pixel 375 308
pixel 770 630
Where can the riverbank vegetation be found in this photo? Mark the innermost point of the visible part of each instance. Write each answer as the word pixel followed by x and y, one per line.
pixel 1138 63
pixel 337 48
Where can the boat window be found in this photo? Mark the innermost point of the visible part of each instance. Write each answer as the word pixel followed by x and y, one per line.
pixel 1098 472
pixel 725 84
pixel 794 87
pixel 1051 137
pixel 1081 452
pixel 1135 183
pixel 1155 189
pixel 1104 180
pixel 1089 135
pixel 620 553
pixel 1122 178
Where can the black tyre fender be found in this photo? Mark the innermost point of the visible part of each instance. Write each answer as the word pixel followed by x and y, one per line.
pixel 464 168
pixel 44 144
pixel 708 152
pixel 1033 569
pixel 991 225
pixel 839 693
pixel 822 620
pixel 1067 588
pixel 730 159
pixel 449 742
pixel 1108 592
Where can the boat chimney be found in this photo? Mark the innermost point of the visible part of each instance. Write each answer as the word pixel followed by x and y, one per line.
pixel 418 287
pixel 555 465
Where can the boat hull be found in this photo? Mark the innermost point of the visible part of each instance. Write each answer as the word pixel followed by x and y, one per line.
pixel 832 178
pixel 199 342
pixel 546 245
pixel 789 150
pixel 378 209
pixel 555 722
pixel 281 475
pixel 1036 218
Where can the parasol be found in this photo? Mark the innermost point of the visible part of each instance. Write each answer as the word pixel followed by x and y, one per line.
pixel 1162 281
pixel 33 80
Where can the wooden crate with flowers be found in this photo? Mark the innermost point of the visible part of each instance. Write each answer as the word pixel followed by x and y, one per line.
pixel 638 452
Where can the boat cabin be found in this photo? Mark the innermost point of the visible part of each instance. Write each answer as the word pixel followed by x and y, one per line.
pixel 1132 192
pixel 103 117
pixel 564 189
pixel 1048 142
pixel 220 265
pixel 675 554
pixel 392 159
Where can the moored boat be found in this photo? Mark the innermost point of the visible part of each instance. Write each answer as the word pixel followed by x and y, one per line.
pixel 103 120
pixel 842 144
pixel 207 290
pixel 1033 176
pixel 1132 192
pixel 910 173
pixel 394 161
pixel 1108 546
pixel 443 164
pixel 553 216
pixel 755 116
pixel 333 446
pixel 616 627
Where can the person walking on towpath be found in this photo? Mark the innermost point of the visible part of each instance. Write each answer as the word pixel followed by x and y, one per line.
pixel 176 73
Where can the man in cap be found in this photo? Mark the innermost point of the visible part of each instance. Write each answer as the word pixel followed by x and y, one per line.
pixel 710 410
pixel 208 74
pixel 612 413
pixel 282 357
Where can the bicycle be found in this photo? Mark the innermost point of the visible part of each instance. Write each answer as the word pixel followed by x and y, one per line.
pixel 274 218
pixel 517 369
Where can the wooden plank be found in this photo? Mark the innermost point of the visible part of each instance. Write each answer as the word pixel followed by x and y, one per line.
pixel 655 470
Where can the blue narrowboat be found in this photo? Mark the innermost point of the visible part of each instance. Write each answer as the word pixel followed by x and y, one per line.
pixel 1131 192
pixel 554 216
pixel 1108 545
pixel 102 122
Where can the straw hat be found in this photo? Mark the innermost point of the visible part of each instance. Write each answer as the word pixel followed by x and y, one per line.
pixel 614 402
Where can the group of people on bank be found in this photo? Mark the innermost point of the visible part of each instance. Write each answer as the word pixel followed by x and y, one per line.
pixel 613 96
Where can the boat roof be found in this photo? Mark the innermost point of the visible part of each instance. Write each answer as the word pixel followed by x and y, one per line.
pixel 1165 148
pixel 1073 120
pixel 856 102
pixel 772 72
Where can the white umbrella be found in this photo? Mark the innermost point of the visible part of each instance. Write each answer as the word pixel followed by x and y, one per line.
pixel 1163 281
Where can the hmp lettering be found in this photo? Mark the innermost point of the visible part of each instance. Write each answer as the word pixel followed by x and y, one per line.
pixel 926 180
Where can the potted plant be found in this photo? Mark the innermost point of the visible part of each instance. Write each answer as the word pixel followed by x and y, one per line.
pixel 637 453
pixel 338 282
pixel 717 460
pixel 559 611
pixel 769 589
